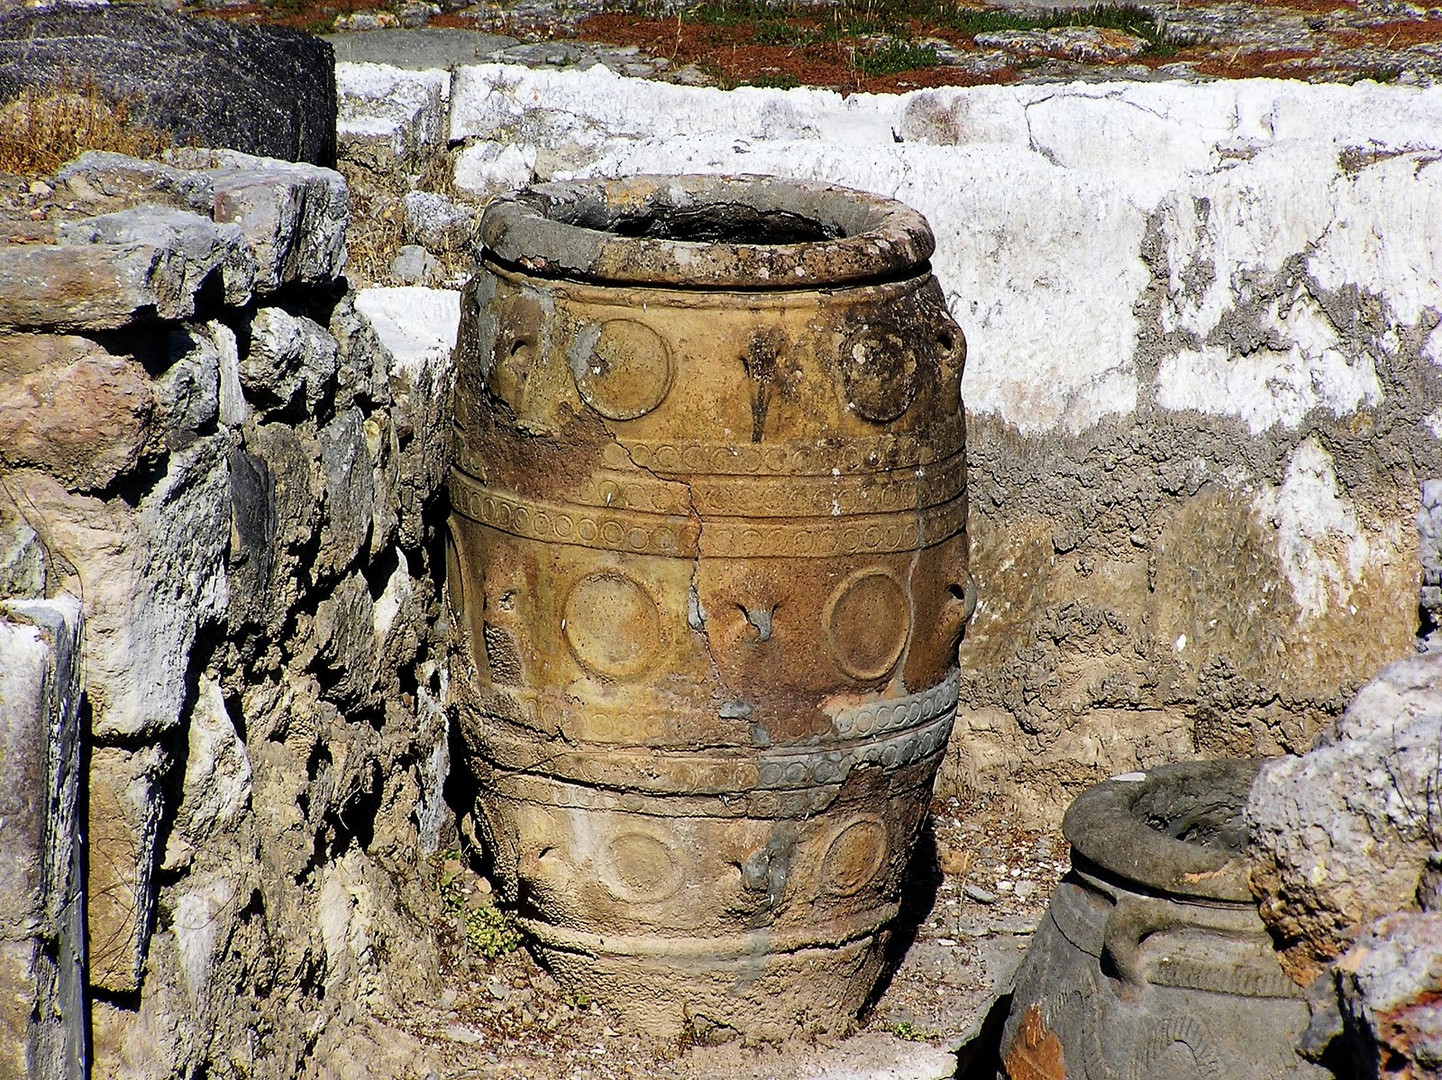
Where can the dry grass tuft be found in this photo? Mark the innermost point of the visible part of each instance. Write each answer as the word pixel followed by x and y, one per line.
pixel 373 237
pixel 45 127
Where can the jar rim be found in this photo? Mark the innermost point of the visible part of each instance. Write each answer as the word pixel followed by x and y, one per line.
pixel 1107 827
pixel 697 231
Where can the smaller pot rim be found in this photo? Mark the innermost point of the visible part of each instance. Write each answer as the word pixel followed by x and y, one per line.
pixel 1104 827
pixel 567 230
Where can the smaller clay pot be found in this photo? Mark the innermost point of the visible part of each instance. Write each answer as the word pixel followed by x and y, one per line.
pixel 1152 962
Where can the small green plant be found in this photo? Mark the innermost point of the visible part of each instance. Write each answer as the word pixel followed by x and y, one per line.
pixel 490 932
pixel 910 1032
pixel 895 56
pixel 775 32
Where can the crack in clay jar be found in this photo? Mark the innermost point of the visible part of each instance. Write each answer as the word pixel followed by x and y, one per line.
pixel 708 568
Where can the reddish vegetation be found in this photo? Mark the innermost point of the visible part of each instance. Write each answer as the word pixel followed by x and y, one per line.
pixel 1262 64
pixel 730 54
pixel 312 16
pixel 1396 35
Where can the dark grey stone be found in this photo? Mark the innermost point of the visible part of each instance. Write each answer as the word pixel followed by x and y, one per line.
pixel 260 89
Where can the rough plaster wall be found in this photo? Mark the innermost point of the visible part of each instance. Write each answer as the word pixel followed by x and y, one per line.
pixel 1203 378
pixel 240 501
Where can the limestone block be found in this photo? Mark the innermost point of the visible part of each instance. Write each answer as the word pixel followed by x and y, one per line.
pixel 1388 984
pixel 126 805
pixel 416 331
pixel 188 392
pixel 390 119
pixel 42 949
pixel 202 246
pixel 97 287
pixel 73 409
pixel 349 492
pixel 1341 835
pixel 293 215
pixel 489 168
pixel 103 179
pixel 217 785
pixel 345 639
pixel 437 224
pixel 289 356
pixel 150 577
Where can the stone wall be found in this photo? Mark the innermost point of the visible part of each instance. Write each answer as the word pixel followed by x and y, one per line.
pixel 212 460
pixel 1203 382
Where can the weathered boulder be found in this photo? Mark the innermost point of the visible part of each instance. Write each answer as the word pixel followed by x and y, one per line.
pixel 95 287
pixel 414 265
pixel 109 181
pixel 1390 986
pixel 200 246
pixel 438 224
pixel 293 216
pixel 1340 836
pixel 259 89
pixel 73 409
pixel 289 355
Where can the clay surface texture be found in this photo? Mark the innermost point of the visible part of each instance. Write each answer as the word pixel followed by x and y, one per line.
pixel 708 561
pixel 1152 960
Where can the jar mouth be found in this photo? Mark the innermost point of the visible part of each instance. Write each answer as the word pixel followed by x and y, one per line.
pixel 1178 829
pixel 749 232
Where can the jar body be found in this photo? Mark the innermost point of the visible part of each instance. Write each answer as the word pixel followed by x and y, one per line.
pixel 707 564
pixel 1128 976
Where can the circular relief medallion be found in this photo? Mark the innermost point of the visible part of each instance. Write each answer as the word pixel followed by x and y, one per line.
pixel 629 371
pixel 640 869
pixel 867 622
pixel 612 624
pixel 879 365
pixel 853 857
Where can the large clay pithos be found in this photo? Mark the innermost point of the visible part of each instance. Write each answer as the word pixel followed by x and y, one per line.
pixel 708 561
pixel 1152 962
